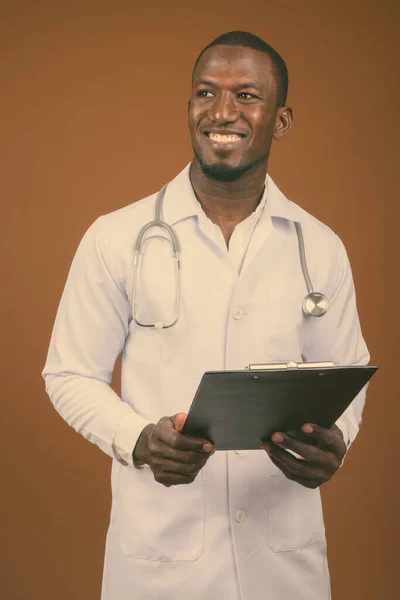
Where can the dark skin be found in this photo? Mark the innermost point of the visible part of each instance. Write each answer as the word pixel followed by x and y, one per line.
pixel 233 91
pixel 233 118
pixel 318 463
pixel 175 459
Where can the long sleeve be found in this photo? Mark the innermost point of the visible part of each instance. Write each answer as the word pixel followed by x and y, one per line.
pixel 89 334
pixel 337 337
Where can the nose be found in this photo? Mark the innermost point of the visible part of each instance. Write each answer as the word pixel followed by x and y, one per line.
pixel 224 110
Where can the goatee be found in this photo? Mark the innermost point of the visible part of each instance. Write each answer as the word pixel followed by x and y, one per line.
pixel 222 172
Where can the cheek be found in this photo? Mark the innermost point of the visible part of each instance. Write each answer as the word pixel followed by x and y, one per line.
pixel 193 120
pixel 196 113
pixel 264 129
pixel 194 110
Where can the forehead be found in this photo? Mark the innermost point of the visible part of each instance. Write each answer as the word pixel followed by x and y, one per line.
pixel 235 63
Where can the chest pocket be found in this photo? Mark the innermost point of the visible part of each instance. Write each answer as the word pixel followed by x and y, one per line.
pixel 146 345
pixel 157 523
pixel 283 323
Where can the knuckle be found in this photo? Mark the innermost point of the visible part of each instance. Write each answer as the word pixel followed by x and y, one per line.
pixel 193 469
pixel 165 484
pixel 297 468
pixel 174 442
pixel 312 484
pixel 187 469
pixel 158 477
pixel 157 431
pixel 314 453
pixel 189 458
pixel 157 465
pixel 188 480
pixel 153 447
pixel 321 478
pixel 331 437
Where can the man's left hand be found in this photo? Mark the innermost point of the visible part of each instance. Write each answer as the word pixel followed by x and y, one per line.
pixel 318 463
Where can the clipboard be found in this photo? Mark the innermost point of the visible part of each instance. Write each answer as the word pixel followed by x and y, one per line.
pixel 237 410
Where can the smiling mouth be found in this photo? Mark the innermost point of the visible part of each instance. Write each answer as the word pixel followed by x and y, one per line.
pixel 224 138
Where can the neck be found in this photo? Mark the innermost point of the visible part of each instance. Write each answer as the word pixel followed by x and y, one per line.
pixel 228 202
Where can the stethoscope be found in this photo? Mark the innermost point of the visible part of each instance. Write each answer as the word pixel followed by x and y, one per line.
pixel 315 304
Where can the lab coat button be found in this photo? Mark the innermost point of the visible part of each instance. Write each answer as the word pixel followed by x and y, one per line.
pixel 237 313
pixel 240 516
pixel 240 451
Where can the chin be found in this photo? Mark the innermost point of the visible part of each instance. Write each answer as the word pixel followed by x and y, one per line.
pixel 219 171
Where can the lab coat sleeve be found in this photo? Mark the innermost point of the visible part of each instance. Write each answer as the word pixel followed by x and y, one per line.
pixel 89 333
pixel 337 337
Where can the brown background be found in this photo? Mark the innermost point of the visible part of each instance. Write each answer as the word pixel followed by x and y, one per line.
pixel 94 116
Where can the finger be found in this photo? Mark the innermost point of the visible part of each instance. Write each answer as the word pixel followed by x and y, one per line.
pixel 179 421
pixel 166 465
pixel 168 479
pixel 311 453
pixel 299 467
pixel 166 432
pixel 305 481
pixel 330 439
pixel 164 451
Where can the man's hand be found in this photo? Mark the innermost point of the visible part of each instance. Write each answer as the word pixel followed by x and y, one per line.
pixel 173 457
pixel 318 463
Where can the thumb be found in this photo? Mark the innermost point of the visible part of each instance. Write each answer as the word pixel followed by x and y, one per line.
pixel 179 421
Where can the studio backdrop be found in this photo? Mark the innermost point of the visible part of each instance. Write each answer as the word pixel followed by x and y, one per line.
pixel 93 110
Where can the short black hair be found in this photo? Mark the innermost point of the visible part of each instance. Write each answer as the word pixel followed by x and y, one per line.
pixel 248 40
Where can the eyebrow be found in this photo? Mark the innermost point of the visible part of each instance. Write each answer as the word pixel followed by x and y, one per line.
pixel 242 86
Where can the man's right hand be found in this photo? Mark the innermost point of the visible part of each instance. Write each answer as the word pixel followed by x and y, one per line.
pixel 174 458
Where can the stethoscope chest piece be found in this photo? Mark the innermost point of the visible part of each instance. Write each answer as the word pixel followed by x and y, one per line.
pixel 315 304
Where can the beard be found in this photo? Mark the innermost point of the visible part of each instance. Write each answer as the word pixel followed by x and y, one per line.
pixel 222 172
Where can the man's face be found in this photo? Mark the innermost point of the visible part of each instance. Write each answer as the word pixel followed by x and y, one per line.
pixel 232 111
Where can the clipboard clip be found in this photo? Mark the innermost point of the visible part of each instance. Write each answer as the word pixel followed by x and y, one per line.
pixel 289 365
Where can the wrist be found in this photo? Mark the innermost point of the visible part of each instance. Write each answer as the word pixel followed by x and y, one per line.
pixel 140 453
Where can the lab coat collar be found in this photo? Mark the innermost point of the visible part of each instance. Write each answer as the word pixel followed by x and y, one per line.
pixel 180 201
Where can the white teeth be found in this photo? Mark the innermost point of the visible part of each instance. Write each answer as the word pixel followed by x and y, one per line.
pixel 224 139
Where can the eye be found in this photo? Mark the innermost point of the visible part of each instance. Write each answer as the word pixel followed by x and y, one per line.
pixel 246 96
pixel 204 94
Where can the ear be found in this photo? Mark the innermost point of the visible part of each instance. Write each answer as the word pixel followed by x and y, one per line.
pixel 283 122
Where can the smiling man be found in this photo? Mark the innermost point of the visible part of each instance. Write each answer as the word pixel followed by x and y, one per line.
pixel 187 521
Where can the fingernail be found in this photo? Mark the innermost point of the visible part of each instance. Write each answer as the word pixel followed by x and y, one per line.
pixel 278 438
pixel 207 447
pixel 307 429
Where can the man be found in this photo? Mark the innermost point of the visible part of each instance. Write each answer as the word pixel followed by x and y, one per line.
pixel 186 521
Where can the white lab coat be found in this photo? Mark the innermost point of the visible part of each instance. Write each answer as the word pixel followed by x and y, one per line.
pixel 241 530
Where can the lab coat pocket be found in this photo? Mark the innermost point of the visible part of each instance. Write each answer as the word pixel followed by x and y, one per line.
pixel 158 523
pixel 295 518
pixel 283 326
pixel 146 345
pixel 281 342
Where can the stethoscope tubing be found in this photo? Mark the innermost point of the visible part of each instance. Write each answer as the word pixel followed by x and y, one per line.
pixel 315 304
